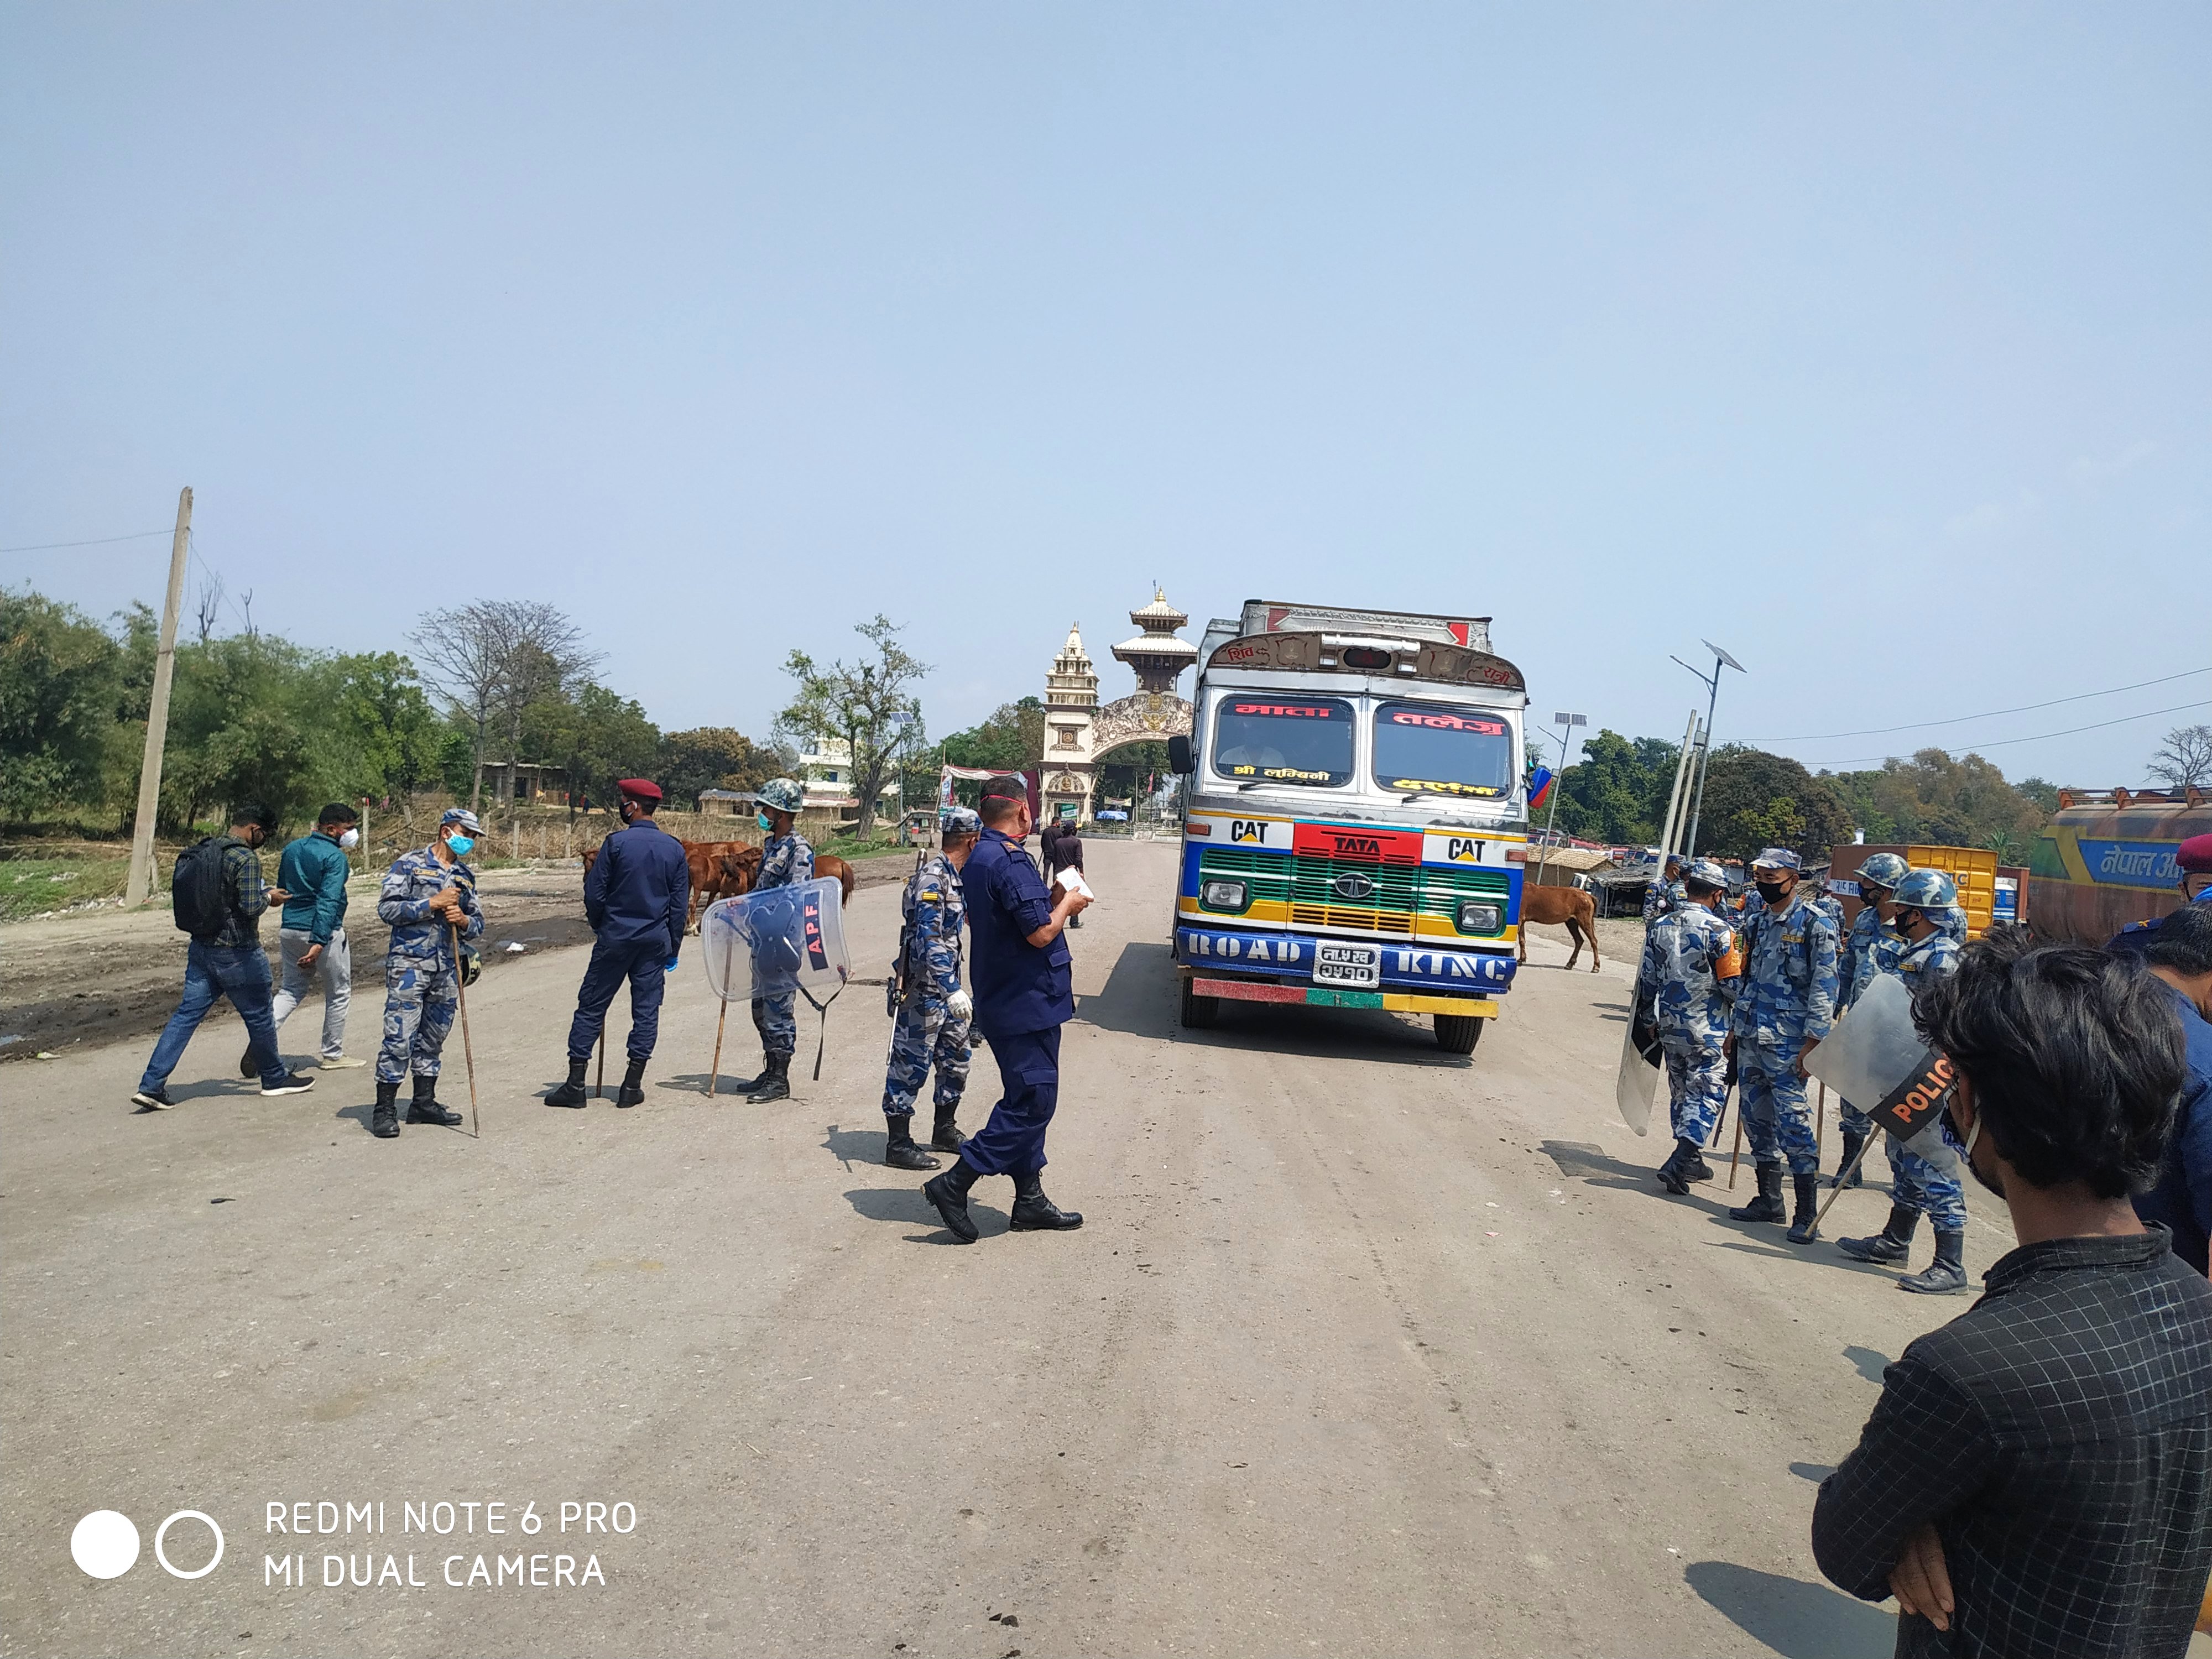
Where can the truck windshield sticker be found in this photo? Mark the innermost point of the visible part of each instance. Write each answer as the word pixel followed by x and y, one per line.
pixel 1307 743
pixel 1422 748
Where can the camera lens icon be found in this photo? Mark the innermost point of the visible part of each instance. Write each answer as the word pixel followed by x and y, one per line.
pixel 105 1543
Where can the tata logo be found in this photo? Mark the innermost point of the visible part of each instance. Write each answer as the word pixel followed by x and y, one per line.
pixel 1353 886
pixel 1248 830
pixel 1356 847
pixel 1463 847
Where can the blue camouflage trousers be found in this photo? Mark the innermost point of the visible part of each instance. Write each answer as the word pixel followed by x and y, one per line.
pixel 777 1025
pixel 924 1034
pixel 1776 1117
pixel 419 999
pixel 1697 1089
pixel 1921 1186
pixel 1855 1122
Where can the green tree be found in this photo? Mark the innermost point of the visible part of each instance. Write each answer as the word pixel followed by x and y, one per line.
pixel 712 757
pixel 1010 740
pixel 1617 792
pixel 1746 791
pixel 856 701
pixel 392 741
pixel 596 736
pixel 249 719
pixel 60 680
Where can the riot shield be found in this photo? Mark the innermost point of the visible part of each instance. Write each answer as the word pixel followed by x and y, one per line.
pixel 774 942
pixel 1874 1054
pixel 1636 1084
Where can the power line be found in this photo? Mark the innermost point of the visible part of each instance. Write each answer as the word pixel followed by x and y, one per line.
pixel 1960 719
pixel 2039 737
pixel 103 541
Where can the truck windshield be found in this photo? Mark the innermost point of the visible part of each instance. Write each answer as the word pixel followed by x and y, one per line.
pixel 1427 749
pixel 1284 740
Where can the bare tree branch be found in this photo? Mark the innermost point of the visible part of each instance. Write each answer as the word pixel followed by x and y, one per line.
pixel 2185 761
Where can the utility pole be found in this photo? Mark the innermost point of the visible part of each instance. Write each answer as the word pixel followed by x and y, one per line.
pixel 1565 738
pixel 157 715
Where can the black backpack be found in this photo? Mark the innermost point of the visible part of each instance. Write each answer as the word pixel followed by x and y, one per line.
pixel 196 887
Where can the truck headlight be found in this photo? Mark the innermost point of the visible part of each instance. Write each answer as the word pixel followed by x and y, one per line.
pixel 1479 916
pixel 1223 895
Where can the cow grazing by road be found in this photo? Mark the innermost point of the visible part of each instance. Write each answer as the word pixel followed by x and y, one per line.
pixel 724 869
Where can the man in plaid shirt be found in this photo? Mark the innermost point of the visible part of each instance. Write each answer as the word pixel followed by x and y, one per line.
pixel 2036 1481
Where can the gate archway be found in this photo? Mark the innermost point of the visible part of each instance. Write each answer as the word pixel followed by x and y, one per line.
pixel 1080 734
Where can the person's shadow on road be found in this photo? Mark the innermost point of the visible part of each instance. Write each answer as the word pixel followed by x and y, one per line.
pixel 1797 1619
pixel 907 1204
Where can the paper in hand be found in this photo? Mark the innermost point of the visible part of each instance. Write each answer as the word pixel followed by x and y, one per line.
pixel 1071 878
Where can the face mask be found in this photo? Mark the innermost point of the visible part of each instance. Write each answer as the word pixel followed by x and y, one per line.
pixel 765 821
pixel 462 846
pixel 350 840
pixel 1771 891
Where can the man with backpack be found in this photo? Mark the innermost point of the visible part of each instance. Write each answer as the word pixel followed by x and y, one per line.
pixel 216 893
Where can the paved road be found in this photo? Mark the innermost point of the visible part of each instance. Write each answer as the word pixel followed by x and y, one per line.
pixel 1364 1346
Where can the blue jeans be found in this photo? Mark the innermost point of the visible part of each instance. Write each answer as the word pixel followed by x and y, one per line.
pixel 212 972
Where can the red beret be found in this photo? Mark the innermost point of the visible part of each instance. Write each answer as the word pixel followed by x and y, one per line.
pixel 2194 856
pixel 640 788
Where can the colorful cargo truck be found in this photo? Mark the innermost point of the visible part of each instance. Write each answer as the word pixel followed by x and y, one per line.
pixel 1355 831
pixel 2106 858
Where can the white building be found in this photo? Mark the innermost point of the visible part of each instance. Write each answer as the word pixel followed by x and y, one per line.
pixel 825 772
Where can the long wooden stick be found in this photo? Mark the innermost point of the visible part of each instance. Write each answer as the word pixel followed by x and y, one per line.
pixel 715 1073
pixel 600 1083
pixel 468 1048
pixel 1844 1179
pixel 1736 1151
pixel 1820 1121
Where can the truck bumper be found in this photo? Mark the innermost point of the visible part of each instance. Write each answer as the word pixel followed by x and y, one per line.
pixel 1329 996
pixel 1456 978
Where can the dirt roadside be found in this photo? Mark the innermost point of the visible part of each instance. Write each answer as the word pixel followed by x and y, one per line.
pixel 105 975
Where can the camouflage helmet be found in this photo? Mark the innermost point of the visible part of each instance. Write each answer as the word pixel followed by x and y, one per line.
pixel 781 795
pixel 1882 870
pixel 961 821
pixel 1925 890
pixel 1778 858
pixel 1706 873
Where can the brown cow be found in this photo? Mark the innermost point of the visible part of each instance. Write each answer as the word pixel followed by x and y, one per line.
pixel 1554 905
pixel 724 869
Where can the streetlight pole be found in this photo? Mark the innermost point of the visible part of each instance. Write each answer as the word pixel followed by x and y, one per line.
pixel 1566 723
pixel 1712 683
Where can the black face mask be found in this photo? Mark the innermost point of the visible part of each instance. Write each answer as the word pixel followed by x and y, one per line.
pixel 1771 891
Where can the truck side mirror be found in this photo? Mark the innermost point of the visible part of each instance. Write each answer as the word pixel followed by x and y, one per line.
pixel 1179 755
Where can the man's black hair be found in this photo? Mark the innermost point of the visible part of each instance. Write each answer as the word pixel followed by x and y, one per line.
pixel 1001 795
pixel 2075 1059
pixel 253 812
pixel 337 812
pixel 2183 942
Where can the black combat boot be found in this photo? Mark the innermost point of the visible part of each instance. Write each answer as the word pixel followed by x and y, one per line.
pixel 425 1108
pixel 571 1093
pixel 1694 1168
pixel 632 1092
pixel 1671 1173
pixel 949 1192
pixel 745 1086
pixel 1846 1175
pixel 1946 1273
pixel 1767 1206
pixel 383 1122
pixel 946 1136
pixel 1035 1213
pixel 1893 1243
pixel 899 1150
pixel 1802 1228
pixel 774 1084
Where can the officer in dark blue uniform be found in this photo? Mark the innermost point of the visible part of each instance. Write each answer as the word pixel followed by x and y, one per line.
pixel 637 896
pixel 1023 996
pixel 2193 859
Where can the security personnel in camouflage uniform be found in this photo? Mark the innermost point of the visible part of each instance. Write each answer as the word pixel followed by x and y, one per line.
pixel 1917 922
pixel 932 1012
pixel 786 860
pixel 1787 1005
pixel 424 895
pixel 1692 968
pixel 1665 896
pixel 1854 971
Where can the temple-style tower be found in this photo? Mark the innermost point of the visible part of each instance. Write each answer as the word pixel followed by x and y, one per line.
pixel 1156 654
pixel 1071 708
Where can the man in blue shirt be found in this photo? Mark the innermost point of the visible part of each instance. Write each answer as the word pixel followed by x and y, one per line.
pixel 311 935
pixel 637 896
pixel 1023 996
pixel 2180 957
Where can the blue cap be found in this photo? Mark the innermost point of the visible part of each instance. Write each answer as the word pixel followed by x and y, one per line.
pixel 962 821
pixel 1707 873
pixel 462 815
pixel 1777 858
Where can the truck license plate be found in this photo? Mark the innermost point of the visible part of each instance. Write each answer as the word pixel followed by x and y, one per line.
pixel 1359 966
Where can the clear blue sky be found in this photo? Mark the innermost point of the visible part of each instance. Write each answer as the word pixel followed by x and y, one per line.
pixel 1874 343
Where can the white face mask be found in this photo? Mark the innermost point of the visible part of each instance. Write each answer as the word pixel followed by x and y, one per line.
pixel 350 840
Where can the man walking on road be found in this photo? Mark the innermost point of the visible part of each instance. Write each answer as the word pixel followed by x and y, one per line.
pixel 311 935
pixel 1692 970
pixel 1061 845
pixel 216 889
pixel 1786 1006
pixel 637 896
pixel 931 1023
pixel 1023 997
pixel 423 897
pixel 2033 1482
